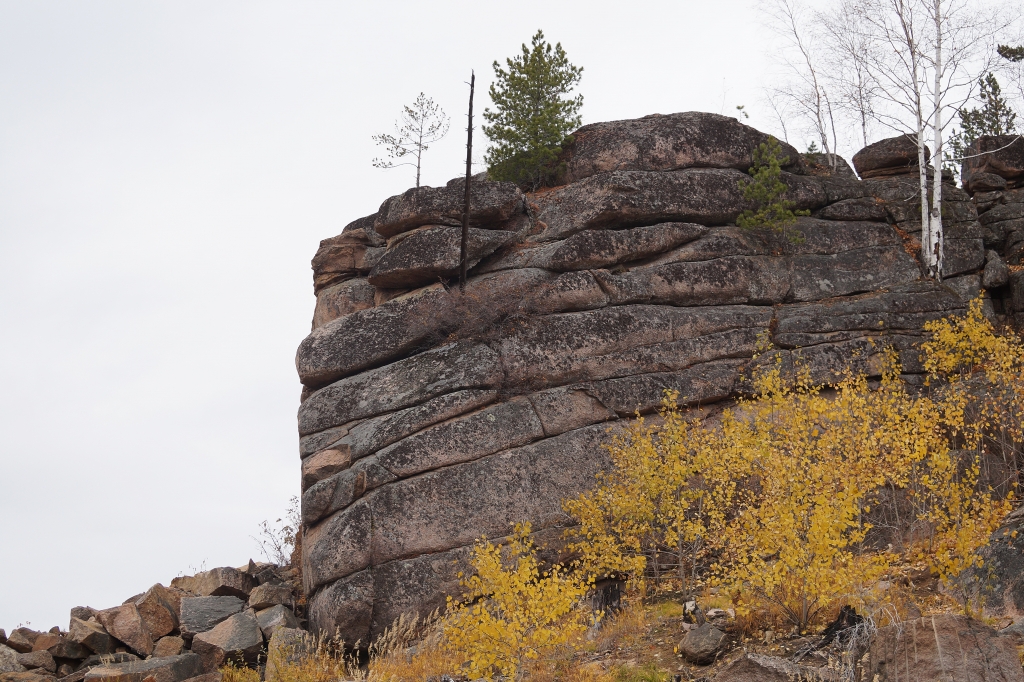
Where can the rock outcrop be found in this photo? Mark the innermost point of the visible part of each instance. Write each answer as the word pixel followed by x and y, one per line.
pixel 429 418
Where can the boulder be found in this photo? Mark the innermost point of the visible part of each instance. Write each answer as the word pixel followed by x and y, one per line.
pixel 454 367
pixel 237 639
pixel 168 646
pixel 702 644
pixel 83 612
pixel 59 646
pixel 37 659
pixel 341 299
pixel 124 623
pixel 344 257
pixel 91 635
pixel 324 463
pixel 199 614
pixel 761 668
pixel 9 660
pixel 285 646
pixel 169 669
pixel 269 595
pixel 491 205
pixel 892 156
pixel 659 142
pixel 943 647
pixel 622 199
pixel 430 254
pixel 156 608
pixel 275 617
pixel 984 182
pixel 996 273
pixel 217 582
pixel 22 639
pixel 1001 155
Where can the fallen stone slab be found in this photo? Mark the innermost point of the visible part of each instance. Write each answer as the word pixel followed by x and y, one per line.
pixel 218 582
pixel 891 156
pixel 168 646
pixel 268 595
pixel 237 639
pixel 169 669
pixel 91 635
pixel 157 611
pixel 761 668
pixel 37 659
pixel 275 617
pixel 430 254
pixel 124 623
pixel 22 639
pixel 199 614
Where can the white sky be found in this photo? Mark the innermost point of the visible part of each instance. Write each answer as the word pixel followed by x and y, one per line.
pixel 166 172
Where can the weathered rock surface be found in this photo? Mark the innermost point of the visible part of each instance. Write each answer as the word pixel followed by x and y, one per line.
pixel 125 623
pixel 199 614
pixel 341 299
pixel 491 204
pixel 217 582
pixel 431 254
pixel 701 644
pixel 892 156
pixel 761 668
pixel 22 639
pixel 664 143
pixel 268 595
pixel 157 610
pixel 171 669
pixel 279 616
pixel 91 635
pixel 999 155
pixel 37 659
pixel 168 646
pixel 238 638
pixel 9 660
pixel 432 417
pixel 944 647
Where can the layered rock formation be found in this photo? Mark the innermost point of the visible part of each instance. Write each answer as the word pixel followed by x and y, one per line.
pixel 431 417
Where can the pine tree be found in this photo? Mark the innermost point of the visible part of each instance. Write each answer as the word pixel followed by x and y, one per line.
pixel 422 124
pixel 533 115
pixel 766 189
pixel 995 117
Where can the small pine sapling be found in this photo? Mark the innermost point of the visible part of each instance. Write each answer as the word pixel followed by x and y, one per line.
pixel 421 125
pixel 766 190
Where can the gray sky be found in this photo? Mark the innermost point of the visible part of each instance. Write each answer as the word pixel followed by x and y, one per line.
pixel 166 172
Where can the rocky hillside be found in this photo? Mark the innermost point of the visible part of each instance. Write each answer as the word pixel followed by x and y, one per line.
pixel 430 418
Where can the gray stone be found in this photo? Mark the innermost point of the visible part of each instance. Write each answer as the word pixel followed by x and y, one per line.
pixel 124 623
pixel 37 659
pixel 984 182
pixel 761 668
pixel 341 299
pixel 22 639
pixel 700 645
pixel 943 647
pixel 268 595
pixel 199 614
pixel 892 156
pixel 168 646
pixel 491 204
pixel 455 367
pixel 170 669
pixel 83 612
pixel 430 254
pixel 1001 155
pixel 59 646
pixel 275 617
pixel 285 646
pixel 623 199
pixel 664 143
pixel 238 639
pixel 217 582
pixel 9 660
pixel 854 209
pixel 156 608
pixel 996 273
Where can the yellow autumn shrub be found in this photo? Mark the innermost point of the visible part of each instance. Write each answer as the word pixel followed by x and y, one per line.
pixel 514 615
pixel 773 501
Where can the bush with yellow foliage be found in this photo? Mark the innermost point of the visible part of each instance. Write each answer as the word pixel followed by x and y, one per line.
pixel 773 502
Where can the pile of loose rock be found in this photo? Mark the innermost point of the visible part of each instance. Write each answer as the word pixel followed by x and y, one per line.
pixel 166 634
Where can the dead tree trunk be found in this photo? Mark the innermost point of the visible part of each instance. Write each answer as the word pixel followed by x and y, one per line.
pixel 469 174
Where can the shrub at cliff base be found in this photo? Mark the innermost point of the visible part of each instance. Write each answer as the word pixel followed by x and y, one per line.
pixel 773 503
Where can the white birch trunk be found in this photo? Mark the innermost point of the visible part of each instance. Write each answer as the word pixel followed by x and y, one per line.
pixel 936 245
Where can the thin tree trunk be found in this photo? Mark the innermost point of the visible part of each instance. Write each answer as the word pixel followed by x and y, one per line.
pixel 937 245
pixel 469 175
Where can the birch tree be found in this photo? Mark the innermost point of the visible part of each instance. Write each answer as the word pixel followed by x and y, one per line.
pixel 421 125
pixel 926 57
pixel 846 71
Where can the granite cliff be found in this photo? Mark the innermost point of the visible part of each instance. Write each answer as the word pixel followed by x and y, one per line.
pixel 431 417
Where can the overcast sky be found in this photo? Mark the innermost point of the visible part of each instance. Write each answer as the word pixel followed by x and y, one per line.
pixel 167 170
